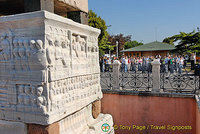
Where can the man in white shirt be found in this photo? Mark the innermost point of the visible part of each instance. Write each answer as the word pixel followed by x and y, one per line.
pixel 126 64
pixel 193 61
pixel 123 64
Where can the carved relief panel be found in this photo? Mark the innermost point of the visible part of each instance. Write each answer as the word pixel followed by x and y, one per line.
pixel 48 67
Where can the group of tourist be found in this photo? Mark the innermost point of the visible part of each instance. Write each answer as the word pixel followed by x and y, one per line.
pixel 169 63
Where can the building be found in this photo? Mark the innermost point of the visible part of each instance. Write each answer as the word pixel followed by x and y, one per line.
pixel 150 49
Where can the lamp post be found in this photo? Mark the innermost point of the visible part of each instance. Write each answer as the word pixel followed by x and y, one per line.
pixel 108 27
pixel 109 52
pixel 117 48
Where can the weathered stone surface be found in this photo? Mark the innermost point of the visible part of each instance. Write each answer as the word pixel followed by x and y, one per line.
pixel 116 72
pixel 9 127
pixel 60 7
pixel 78 16
pixel 156 75
pixel 47 5
pixel 81 5
pixel 96 108
pixel 82 122
pixel 39 129
pixel 49 67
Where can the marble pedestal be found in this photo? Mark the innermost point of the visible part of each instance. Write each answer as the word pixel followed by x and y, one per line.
pixel 49 72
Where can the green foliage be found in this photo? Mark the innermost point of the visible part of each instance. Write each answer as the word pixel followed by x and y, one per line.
pixel 121 39
pixel 97 22
pixel 131 44
pixel 101 53
pixel 169 41
pixel 187 42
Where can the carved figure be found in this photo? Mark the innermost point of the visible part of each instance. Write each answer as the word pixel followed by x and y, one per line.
pixel 27 55
pixel 20 106
pixel 50 52
pixel 58 56
pixel 74 47
pixel 1 49
pixel 41 100
pixel 21 52
pixel 27 98
pixel 33 99
pixel 5 47
pixel 66 52
pixel 78 44
pixel 51 96
pixel 37 60
pixel 16 58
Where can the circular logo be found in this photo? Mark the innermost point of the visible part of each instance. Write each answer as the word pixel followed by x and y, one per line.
pixel 105 127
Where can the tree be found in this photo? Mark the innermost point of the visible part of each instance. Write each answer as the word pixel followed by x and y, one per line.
pixel 131 44
pixel 97 22
pixel 187 42
pixel 169 41
pixel 121 41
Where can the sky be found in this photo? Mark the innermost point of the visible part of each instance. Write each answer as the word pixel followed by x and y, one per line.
pixel 148 20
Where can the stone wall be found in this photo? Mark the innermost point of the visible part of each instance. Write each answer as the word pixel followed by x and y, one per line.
pixel 155 113
pixel 76 5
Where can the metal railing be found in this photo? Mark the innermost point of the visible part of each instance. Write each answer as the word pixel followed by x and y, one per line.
pixel 137 79
pixel 143 79
pixel 184 81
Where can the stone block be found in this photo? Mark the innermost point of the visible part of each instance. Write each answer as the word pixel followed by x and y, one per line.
pixel 156 75
pixel 78 16
pixel 9 127
pixel 49 67
pixel 82 122
pixel 78 5
pixel 39 129
pixel 96 108
pixel 60 7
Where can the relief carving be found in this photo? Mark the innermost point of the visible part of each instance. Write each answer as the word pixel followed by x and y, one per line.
pixel 41 100
pixel 21 52
pixel 5 48
pixel 30 99
pixel 25 63
pixel 33 99
pixel 48 69
pixel 37 60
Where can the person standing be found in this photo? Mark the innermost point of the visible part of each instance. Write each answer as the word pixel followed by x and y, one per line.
pixel 123 64
pixel 180 63
pixel 129 63
pixel 139 64
pixel 171 65
pixel 166 60
pixel 108 62
pixel 102 65
pixel 133 64
pixel 176 63
pixel 185 62
pixel 193 60
pixel 126 64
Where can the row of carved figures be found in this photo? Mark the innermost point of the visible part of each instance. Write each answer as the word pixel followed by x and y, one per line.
pixel 32 55
pixel 30 99
pixel 70 87
pixel 70 97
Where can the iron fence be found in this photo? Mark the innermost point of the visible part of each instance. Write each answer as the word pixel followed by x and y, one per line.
pixel 187 81
pixel 106 80
pixel 137 80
